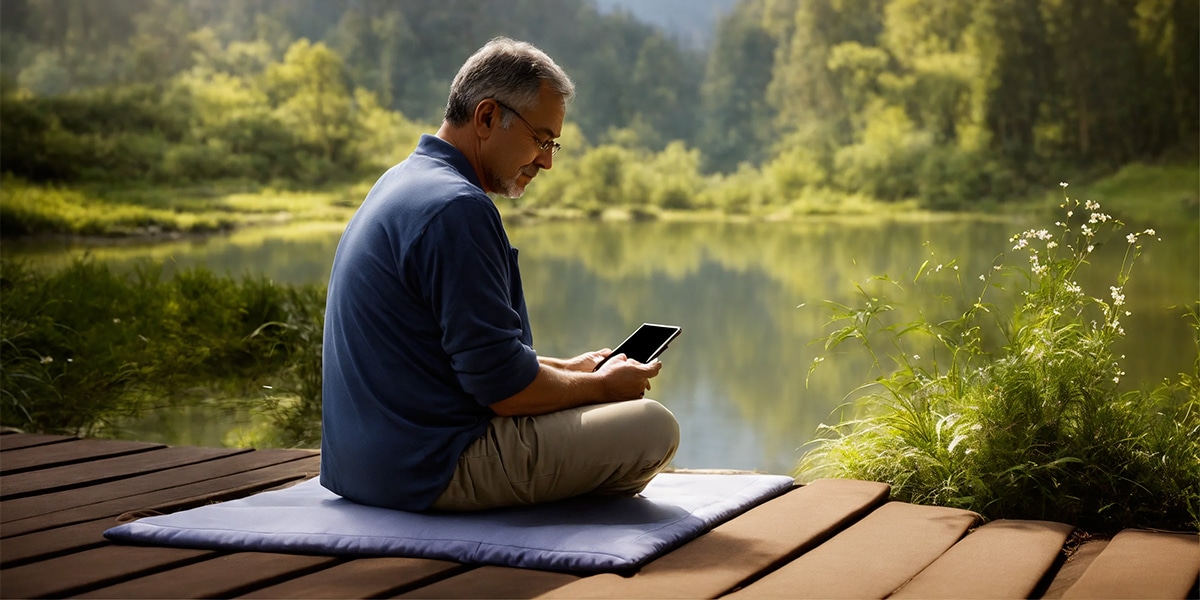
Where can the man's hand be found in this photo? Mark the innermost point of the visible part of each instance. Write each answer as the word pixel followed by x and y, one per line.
pixel 559 387
pixel 586 362
pixel 626 379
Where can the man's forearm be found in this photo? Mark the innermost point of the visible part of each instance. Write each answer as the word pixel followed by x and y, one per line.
pixel 557 363
pixel 553 389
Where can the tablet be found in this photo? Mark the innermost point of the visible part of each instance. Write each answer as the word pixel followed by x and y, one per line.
pixel 645 344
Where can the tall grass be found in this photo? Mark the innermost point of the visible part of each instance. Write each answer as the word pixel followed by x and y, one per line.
pixel 29 209
pixel 141 209
pixel 82 346
pixel 1030 425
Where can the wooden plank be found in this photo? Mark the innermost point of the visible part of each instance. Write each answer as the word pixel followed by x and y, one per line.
pixel 188 466
pixel 763 538
pixel 68 452
pixel 1142 564
pixel 494 582
pixel 173 498
pixel 17 441
pixel 1074 566
pixel 76 573
pixel 870 559
pixel 1002 559
pixel 363 578
pixel 221 577
pixel 79 475
pixel 24 549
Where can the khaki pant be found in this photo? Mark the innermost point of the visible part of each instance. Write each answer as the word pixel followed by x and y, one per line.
pixel 606 448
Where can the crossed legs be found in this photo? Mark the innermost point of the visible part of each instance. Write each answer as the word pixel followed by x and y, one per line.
pixel 604 449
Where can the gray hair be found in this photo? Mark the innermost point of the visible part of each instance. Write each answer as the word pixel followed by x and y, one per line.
pixel 512 72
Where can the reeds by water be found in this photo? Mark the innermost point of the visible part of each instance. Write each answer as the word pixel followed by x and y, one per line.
pixel 84 345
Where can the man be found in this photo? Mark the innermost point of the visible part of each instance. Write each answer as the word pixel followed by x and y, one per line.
pixel 433 395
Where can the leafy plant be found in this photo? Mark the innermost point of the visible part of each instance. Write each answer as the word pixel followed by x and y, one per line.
pixel 1036 428
pixel 83 345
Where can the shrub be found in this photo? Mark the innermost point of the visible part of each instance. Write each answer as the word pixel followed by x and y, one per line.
pixel 884 163
pixel 1037 430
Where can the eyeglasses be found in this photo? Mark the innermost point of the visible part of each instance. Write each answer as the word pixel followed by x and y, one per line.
pixel 550 145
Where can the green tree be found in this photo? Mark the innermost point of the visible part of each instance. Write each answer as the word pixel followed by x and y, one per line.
pixel 1014 77
pixel 802 88
pixel 666 83
pixel 310 97
pixel 736 118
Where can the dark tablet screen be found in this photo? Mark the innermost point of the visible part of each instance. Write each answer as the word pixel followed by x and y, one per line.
pixel 646 343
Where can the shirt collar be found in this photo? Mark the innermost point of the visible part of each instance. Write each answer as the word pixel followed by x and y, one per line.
pixel 436 147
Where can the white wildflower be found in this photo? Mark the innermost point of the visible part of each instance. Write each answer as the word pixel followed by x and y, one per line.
pixel 1131 238
pixel 1117 296
pixel 1051 244
pixel 47 359
pixel 1149 232
pixel 1062 183
pixel 1085 230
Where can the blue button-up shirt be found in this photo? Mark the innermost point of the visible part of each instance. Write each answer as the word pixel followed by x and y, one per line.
pixel 425 327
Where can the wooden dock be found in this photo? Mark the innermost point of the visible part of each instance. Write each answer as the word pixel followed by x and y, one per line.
pixel 832 538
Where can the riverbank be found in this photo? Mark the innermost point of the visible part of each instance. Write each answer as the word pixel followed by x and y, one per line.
pixel 100 212
pixel 1140 193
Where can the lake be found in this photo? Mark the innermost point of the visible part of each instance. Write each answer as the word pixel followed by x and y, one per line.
pixel 750 298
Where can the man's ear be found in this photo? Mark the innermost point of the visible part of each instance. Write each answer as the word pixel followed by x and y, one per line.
pixel 486 118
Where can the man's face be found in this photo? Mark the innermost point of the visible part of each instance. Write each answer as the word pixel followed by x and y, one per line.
pixel 519 157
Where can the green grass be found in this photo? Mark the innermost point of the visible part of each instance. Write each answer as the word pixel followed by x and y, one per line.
pixel 1138 193
pixel 1141 193
pixel 27 209
pixel 34 209
pixel 83 345
pixel 1015 412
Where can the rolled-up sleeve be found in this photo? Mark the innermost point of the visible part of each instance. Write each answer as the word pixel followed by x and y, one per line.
pixel 464 257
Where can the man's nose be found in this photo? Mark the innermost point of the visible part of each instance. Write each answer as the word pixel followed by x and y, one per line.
pixel 545 159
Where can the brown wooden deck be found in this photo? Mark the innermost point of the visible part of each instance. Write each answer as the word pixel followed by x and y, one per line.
pixel 828 539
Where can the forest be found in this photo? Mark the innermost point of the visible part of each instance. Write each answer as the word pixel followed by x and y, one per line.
pixel 950 104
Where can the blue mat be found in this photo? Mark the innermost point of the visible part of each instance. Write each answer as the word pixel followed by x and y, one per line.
pixel 586 534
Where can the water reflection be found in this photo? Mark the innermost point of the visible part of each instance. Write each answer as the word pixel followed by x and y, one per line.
pixel 736 377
